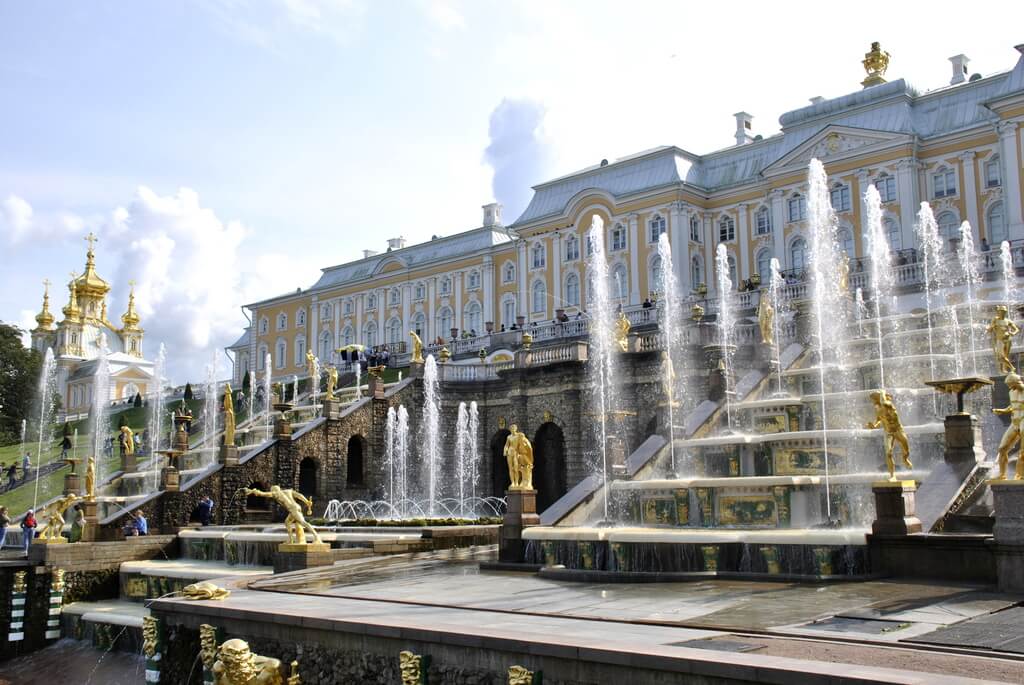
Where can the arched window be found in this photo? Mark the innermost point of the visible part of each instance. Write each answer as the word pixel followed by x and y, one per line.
pixel 300 350
pixel 840 197
pixel 695 228
pixel 471 321
pixel 696 273
pixel 370 334
pixel 892 234
pixel 764 266
pixel 996 221
pixel 445 322
pixel 949 228
pixel 326 345
pixel 572 290
pixel 655 227
pixel 264 326
pixel 797 207
pixel 300 317
pixel 620 282
pixel 539 300
pixel 508 273
pixel 508 310
pixel 261 358
pixel 473 282
pixel 282 321
pixel 655 276
pixel 347 336
pixel 281 351
pixel 845 237
pixel 763 221
pixel 394 331
pixel 618 237
pixel 572 247
pixel 419 324
pixel 539 259
pixel 395 297
pixel 993 174
pixel 726 229
pixel 798 254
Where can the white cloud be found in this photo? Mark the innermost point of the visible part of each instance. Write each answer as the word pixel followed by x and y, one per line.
pixel 260 21
pixel 442 14
pixel 19 223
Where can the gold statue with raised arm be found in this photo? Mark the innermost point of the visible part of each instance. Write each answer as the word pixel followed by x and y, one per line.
pixel 55 522
pixel 1002 329
pixel 229 416
pixel 888 419
pixel 294 523
pixel 519 454
pixel 417 348
pixel 766 320
pixel 311 364
pixel 1015 431
pixel 90 479
pixel 622 332
pixel 128 440
pixel 332 381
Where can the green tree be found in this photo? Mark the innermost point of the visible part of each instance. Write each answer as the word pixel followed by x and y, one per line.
pixel 188 391
pixel 19 374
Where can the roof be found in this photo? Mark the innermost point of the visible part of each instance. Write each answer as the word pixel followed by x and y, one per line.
pixel 242 341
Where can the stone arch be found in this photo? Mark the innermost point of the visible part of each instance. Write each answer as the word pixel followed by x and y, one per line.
pixel 499 467
pixel 549 477
pixel 308 469
pixel 355 461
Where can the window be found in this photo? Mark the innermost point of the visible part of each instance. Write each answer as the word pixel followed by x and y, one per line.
pixel 696 273
pixel 419 324
pixel 845 241
pixel 445 322
pixel 300 317
pixel 886 186
pixel 371 301
pixel 763 221
pixel 572 290
pixel 326 310
pixel 993 174
pixel 798 254
pixel 695 228
pixel 655 278
pixel 539 259
pixel 446 285
pixel 370 334
pixel 949 227
pixel 347 336
pixel 508 274
pixel 726 229
pixel 348 307
pixel 620 282
pixel 539 299
pixel 264 326
pixel 944 183
pixel 326 345
pixel 996 221
pixel 261 358
pixel 764 266
pixel 656 227
pixel 472 321
pixel 572 248
pixel 420 291
pixel 508 311
pixel 840 197
pixel 395 297
pixel 282 322
pixel 590 244
pixel 618 237
pixel 394 332
pixel 892 234
pixel 300 350
pixel 282 349
pixel 797 208
pixel 733 276
pixel 473 281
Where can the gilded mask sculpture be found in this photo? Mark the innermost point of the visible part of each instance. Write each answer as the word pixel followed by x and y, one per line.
pixel 517 675
pixel 204 590
pixel 412 668
pixel 207 645
pixel 57 580
pixel 150 635
pixel 19 582
pixel 237 665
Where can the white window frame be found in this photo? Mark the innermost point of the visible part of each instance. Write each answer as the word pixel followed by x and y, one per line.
pixel 726 229
pixel 695 228
pixel 572 248
pixel 618 240
pixel 508 273
pixel 990 224
pixel 371 302
pixel 944 182
pixel 572 280
pixel 282 321
pixel 993 173
pixel 264 325
pixel 538 256
pixel 796 208
pixel 419 292
pixel 763 221
pixel 473 280
pixel 885 184
pixel 839 197
pixel 696 272
pixel 620 286
pixel 538 297
pixel 655 227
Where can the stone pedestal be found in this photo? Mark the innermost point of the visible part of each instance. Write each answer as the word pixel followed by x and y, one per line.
pixel 292 556
pixel 72 483
pixel 376 387
pixel 170 479
pixel 894 508
pixel 521 513
pixel 415 369
pixel 1008 532
pixel 90 508
pixel 129 463
pixel 228 455
pixel 963 441
pixel 332 409
pixel 282 427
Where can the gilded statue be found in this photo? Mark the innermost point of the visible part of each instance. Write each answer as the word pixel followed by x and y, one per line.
pixel 519 675
pixel 844 274
pixel 411 667
pixel 1013 433
pixel 519 454
pixel 312 367
pixel 128 440
pixel 294 523
pixel 417 348
pixel 208 645
pixel 622 332
pixel 90 479
pixel 57 580
pixel 55 512
pixel 875 62
pixel 204 590
pixel 150 635
pixel 18 586
pixel 1002 329
pixel 237 665
pixel 229 416
pixel 888 419
pixel 332 381
pixel 766 320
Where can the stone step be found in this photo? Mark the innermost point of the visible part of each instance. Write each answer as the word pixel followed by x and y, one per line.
pixel 144 580
pixel 106 625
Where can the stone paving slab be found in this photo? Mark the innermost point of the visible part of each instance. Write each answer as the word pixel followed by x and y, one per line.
pixel 1002 631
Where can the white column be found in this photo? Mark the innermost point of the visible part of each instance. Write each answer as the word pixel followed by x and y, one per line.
pixel 679 240
pixel 907 189
pixel 633 245
pixel 1010 156
pixel 457 284
pixel 556 295
pixel 775 198
pixel 487 274
pixel 521 304
pixel 969 192
pixel 743 237
pixel 709 253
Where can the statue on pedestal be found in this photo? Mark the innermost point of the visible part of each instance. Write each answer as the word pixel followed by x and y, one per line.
pixel 55 523
pixel 417 348
pixel 766 320
pixel 844 274
pixel 229 416
pixel 313 367
pixel 90 479
pixel 127 440
pixel 294 523
pixel 1002 330
pixel 888 419
pixel 1013 433
pixel 622 332
pixel 332 382
pixel 519 454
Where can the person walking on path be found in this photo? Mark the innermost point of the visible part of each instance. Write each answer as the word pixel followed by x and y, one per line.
pixel 12 475
pixel 5 520
pixel 28 529
pixel 26 466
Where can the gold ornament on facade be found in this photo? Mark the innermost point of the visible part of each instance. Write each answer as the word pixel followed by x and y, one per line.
pixel 527 341
pixel 875 62
pixel 697 313
pixel 411 666
pixel 548 416
pixel 237 665
pixel 1002 330
pixel 294 523
pixel 205 590
pixel 519 675
pixel 1015 430
pixel 888 419
pixel 518 453
pixel 621 329
pixel 417 348
pixel 57 580
pixel 208 645
pixel 444 355
pixel 19 582
pixel 150 635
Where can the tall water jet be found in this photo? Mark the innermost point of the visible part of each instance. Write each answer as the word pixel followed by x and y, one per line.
pixel 314 382
pixel 971 279
pixel 881 270
pixel 474 446
pixel 390 426
pixel 668 314
pixel 461 454
pixel 431 430
pixel 24 429
pixel 1010 294
pixel 775 285
pixel 602 339
pixel 402 459
pixel 47 388
pixel 267 401
pixel 156 414
pixel 210 406
pixel 100 407
pixel 860 311
pixel 827 297
pixel 252 399
pixel 930 243
pixel 726 322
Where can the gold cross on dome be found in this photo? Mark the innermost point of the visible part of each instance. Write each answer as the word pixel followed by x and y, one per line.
pixel 131 283
pixel 46 284
pixel 91 238
pixel 73 276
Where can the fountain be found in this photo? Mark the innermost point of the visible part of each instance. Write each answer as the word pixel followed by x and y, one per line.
pixel 100 409
pixel 881 270
pixel 930 246
pixel 266 395
pixel 156 414
pixel 431 431
pixel 47 387
pixel 967 259
pixel 725 323
pixel 467 454
pixel 1010 292
pixel 775 285
pixel 675 383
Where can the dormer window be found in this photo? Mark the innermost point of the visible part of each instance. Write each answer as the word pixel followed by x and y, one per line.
pixel 993 174
pixel 943 183
pixel 840 197
pixel 797 206
pixel 656 227
pixel 695 228
pixel 886 186
pixel 763 221
pixel 726 229
pixel 618 238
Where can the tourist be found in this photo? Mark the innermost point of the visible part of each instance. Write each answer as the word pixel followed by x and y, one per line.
pixel 502 328
pixel 5 520
pixel 205 511
pixel 28 529
pixel 647 303
pixel 137 525
pixel 12 475
pixel 65 445
pixel 26 466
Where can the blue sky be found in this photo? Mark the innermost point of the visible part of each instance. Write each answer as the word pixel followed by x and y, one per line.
pixel 225 150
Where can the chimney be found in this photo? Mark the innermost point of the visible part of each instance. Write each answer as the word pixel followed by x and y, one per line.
pixel 960 63
pixel 743 135
pixel 370 253
pixel 492 214
pixel 817 100
pixel 396 243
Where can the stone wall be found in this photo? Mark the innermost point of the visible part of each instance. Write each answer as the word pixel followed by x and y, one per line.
pixel 36 609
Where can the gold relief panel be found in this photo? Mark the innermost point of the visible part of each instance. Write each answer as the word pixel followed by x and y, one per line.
pixel 19 582
pixel 803 461
pixel 771 423
pixel 658 511
pixel 746 510
pixel 519 675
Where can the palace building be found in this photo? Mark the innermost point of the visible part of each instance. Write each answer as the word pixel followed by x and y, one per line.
pixel 957 147
pixel 77 340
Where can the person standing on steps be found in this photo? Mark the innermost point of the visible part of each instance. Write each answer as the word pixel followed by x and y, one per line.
pixel 28 529
pixel 5 520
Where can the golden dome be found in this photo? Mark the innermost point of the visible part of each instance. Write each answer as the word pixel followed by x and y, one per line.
pixel 130 318
pixel 71 310
pixel 44 318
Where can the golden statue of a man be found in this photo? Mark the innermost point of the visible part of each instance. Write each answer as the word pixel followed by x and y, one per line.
pixel 294 523
pixel 90 478
pixel 332 381
pixel 622 332
pixel 1002 330
pixel 766 320
pixel 844 274
pixel 128 440
pixel 1013 433
pixel 888 419
pixel 417 348
pixel 311 364
pixel 229 416
pixel 519 454
pixel 55 523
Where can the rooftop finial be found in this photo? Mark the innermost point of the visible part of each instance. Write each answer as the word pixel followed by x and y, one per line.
pixel 875 63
